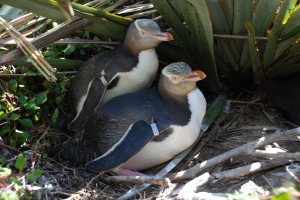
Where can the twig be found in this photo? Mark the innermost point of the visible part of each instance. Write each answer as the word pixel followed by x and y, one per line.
pixel 246 149
pixel 29 50
pixel 138 180
pixel 9 147
pixel 190 187
pixel 240 37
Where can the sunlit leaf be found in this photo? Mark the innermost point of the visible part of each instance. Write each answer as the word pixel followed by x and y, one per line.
pixel 4 171
pixel 41 98
pixel 20 162
pixel 30 105
pixel 32 177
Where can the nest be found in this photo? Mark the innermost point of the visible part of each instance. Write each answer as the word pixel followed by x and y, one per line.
pixel 240 123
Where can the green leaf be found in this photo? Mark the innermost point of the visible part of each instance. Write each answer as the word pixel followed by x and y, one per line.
pixel 26 123
pixel 20 137
pixel 9 195
pixel 22 99
pixel 2 115
pixel 30 105
pixel 20 162
pixel 3 160
pixel 13 84
pixel 254 55
pixel 261 20
pixel 242 12
pixel 41 98
pixel 14 116
pixel 54 117
pixel 33 176
pixel 4 172
pixel 272 42
pixel 69 49
pixel 292 22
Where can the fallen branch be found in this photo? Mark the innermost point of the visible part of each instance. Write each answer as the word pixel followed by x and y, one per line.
pixel 138 180
pixel 190 187
pixel 246 149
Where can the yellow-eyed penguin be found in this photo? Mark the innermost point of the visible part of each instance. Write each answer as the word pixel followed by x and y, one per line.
pixel 128 68
pixel 140 130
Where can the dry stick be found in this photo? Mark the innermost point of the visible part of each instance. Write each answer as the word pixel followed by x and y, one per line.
pixel 64 29
pixel 138 180
pixel 38 60
pixel 9 147
pixel 190 187
pixel 241 150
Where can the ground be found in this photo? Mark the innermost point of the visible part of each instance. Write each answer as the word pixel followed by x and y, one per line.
pixel 240 123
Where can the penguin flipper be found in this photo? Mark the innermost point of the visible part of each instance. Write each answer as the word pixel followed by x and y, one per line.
pixel 136 137
pixel 94 96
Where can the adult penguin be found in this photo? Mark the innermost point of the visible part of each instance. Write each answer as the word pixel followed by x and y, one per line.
pixel 128 68
pixel 143 129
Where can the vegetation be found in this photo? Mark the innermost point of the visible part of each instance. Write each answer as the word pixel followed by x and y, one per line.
pixel 239 44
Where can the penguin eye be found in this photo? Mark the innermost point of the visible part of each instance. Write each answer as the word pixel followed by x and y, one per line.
pixel 142 32
pixel 174 78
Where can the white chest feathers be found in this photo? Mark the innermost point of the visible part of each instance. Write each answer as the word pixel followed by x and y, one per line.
pixel 138 78
pixel 155 153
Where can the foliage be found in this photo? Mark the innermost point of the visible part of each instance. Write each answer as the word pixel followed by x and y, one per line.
pixel 12 178
pixel 26 103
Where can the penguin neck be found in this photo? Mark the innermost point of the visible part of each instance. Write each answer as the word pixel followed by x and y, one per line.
pixel 169 96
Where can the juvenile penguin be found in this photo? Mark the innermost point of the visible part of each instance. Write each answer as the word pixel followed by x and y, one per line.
pixel 140 130
pixel 128 68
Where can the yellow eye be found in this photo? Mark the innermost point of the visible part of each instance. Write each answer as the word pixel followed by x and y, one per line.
pixel 174 78
pixel 142 32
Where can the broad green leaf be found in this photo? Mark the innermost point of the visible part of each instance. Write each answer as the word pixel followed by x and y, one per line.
pixel 196 15
pixel 41 98
pixel 20 162
pixel 261 20
pixel 13 84
pixel 243 11
pixel 14 116
pixel 32 177
pixel 20 137
pixel 221 26
pixel 271 45
pixel 69 49
pixel 174 21
pixel 27 123
pixel 4 172
pixel 254 55
pixel 30 105
pixel 22 99
pixel 292 23
pixel 285 45
pixel 219 20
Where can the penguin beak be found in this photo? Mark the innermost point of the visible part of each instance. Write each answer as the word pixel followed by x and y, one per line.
pixel 195 76
pixel 163 36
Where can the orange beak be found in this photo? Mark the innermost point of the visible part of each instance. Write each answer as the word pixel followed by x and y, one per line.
pixel 163 36
pixel 197 75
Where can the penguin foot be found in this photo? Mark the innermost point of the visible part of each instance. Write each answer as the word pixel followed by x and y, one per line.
pixel 127 172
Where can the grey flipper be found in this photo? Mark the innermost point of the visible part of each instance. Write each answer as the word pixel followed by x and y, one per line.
pixel 94 95
pixel 136 137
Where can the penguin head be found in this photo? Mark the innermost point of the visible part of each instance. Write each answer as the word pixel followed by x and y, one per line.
pixel 179 79
pixel 145 34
